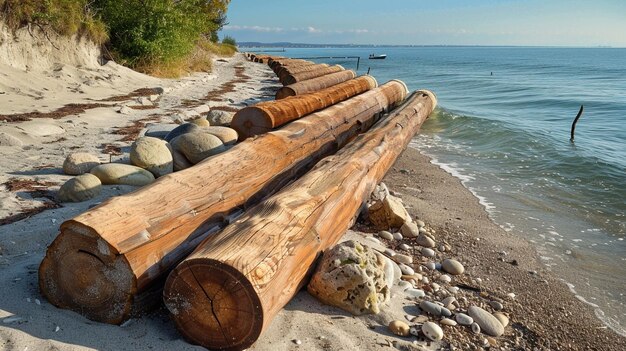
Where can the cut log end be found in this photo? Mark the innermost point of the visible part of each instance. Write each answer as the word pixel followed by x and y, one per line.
pixel 251 121
pixel 285 92
pixel 214 305
pixel 82 273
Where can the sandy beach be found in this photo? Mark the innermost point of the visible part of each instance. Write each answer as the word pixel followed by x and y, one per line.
pixel 543 314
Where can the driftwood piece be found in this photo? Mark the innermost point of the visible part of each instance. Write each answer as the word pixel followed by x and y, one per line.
pixel 285 71
pixel 107 262
pixel 266 116
pixel 293 78
pixel 229 289
pixel 315 84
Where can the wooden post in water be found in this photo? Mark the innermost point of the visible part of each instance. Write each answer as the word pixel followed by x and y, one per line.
pixel 226 293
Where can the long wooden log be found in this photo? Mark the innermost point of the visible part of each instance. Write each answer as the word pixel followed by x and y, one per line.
pixel 266 116
pixel 301 76
pixel 230 288
pixel 277 64
pixel 315 84
pixel 283 71
pixel 108 261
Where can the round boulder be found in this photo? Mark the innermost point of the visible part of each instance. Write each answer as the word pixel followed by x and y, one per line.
pixel 228 136
pixel 153 155
pixel 200 122
pixel 351 276
pixel 180 130
pixel 220 118
pixel 79 163
pixel 117 173
pixel 197 146
pixel 80 188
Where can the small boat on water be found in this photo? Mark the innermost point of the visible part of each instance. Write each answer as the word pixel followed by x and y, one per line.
pixel 378 57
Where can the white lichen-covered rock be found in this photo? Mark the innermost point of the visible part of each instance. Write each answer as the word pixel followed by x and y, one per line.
pixel 352 277
pixel 79 163
pixel 388 213
pixel 153 155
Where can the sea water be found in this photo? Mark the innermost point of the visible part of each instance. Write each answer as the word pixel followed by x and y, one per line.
pixel 503 127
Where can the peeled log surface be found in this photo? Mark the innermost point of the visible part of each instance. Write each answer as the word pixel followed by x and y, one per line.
pixel 275 65
pixel 285 71
pixel 226 293
pixel 266 116
pixel 110 260
pixel 315 84
pixel 301 76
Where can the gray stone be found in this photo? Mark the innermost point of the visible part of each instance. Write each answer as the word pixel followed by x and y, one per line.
pixel 453 267
pixel 400 258
pixel 432 331
pixel 228 136
pixel 153 155
pixel 444 278
pixel 117 173
pixel 425 241
pixel 397 236
pixel 415 292
pixel 428 252
pixel 502 318
pixel 9 140
pixel 220 118
pixel 496 305
pixel 448 322
pixel 409 230
pixel 198 146
pixel 464 319
pixel 489 324
pixel 404 247
pixel 431 308
pixel 180 161
pixel 180 130
pixel 420 223
pixel 157 130
pixel 80 188
pixel 79 163
pixel 406 270
pixel 392 272
pixel 475 328
pixel 390 213
pixel 351 276
pixel 385 235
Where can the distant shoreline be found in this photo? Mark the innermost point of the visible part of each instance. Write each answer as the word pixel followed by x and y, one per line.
pixel 343 46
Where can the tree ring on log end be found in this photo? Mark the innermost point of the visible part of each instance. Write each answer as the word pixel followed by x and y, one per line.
pixel 82 273
pixel 251 121
pixel 214 305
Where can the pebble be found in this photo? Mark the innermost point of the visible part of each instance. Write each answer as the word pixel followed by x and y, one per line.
pixel 438 266
pixel 420 223
pixel 432 331
pixel 404 285
pixel 448 302
pixel 496 305
pixel 502 318
pixel 420 319
pixel 448 321
pixel 415 292
pixel 200 122
pixel 511 296
pixel 453 289
pixel 425 280
pixel 409 230
pixel 406 270
pixel 446 312
pixel 153 155
pixel 442 248
pixel 297 341
pixel 121 174
pixel 400 258
pixel 220 118
pixel 464 319
pixel 430 265
pixel 428 252
pixel 79 163
pixel 425 241
pixel 404 247
pixel 431 308
pixel 423 230
pixel 415 331
pixel 390 252
pixel 11 319
pixel 435 286
pixel 80 188
pixel 453 267
pixel 475 328
pixel 385 235
pixel 399 328
pixel 489 324
pixel 445 278
pixel 397 236
pixel 372 239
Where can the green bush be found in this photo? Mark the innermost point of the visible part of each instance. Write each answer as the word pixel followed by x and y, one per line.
pixel 229 40
pixel 66 17
pixel 146 32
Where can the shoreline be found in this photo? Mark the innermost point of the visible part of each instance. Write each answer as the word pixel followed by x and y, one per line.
pixel 544 314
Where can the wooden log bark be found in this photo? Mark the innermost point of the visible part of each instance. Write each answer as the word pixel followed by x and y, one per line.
pixel 266 116
pixel 296 66
pixel 107 262
pixel 275 65
pixel 315 84
pixel 302 76
pixel 230 288
pixel 283 71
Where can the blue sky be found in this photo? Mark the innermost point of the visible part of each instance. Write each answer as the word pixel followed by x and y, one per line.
pixel 435 22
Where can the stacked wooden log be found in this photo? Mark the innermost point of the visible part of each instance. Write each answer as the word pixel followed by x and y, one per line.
pixel 112 261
